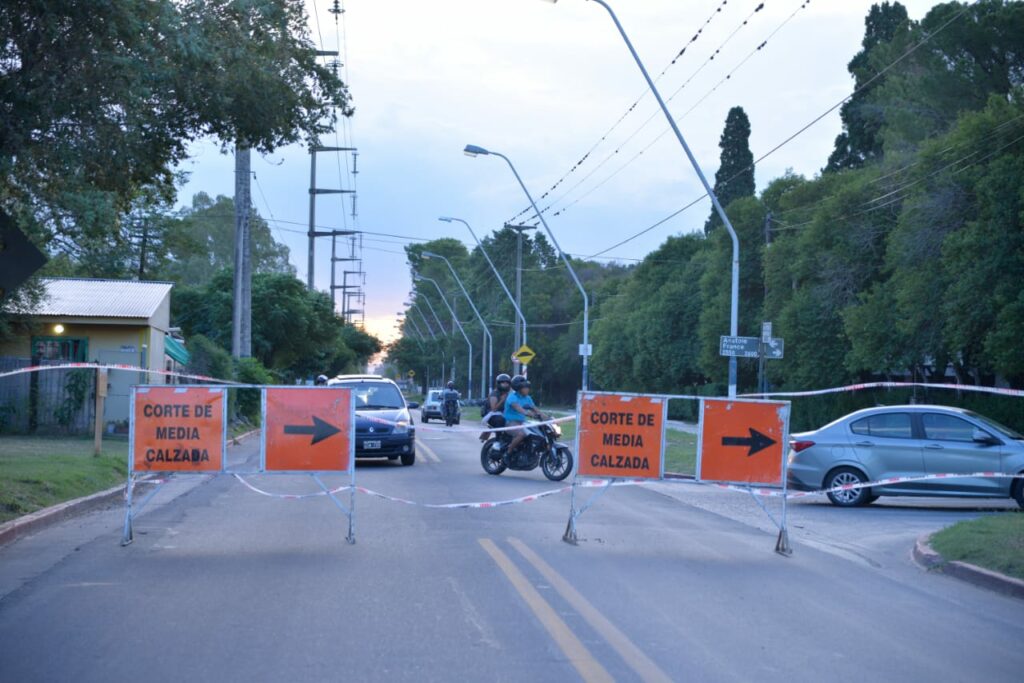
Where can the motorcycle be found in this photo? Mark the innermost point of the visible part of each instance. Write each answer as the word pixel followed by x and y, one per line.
pixel 540 447
pixel 451 412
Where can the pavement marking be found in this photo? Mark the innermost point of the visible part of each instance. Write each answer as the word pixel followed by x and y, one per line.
pixel 577 653
pixel 645 668
pixel 428 451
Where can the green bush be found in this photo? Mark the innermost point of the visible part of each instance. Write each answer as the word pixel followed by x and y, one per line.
pixel 250 371
pixel 207 358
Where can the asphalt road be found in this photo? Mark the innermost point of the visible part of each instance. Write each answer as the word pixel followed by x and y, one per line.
pixel 672 582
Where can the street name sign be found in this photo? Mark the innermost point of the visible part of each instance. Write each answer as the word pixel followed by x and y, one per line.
pixel 621 436
pixel 178 429
pixel 740 347
pixel 742 441
pixel 308 429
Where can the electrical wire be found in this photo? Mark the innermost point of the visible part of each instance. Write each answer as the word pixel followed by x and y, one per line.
pixel 927 37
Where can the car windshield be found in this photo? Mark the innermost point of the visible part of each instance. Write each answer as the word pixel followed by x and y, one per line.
pixel 375 395
pixel 434 396
pixel 1001 428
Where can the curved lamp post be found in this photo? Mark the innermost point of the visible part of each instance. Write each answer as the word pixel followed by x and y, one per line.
pixel 469 374
pixel 485 370
pixel 735 297
pixel 476 150
pixel 519 313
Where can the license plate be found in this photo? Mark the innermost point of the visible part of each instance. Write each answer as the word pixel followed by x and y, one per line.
pixel 371 445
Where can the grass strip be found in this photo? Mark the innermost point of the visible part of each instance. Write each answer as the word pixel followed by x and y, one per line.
pixel 36 472
pixel 994 542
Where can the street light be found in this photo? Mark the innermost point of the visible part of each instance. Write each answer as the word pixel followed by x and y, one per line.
pixel 485 371
pixel 515 305
pixel 455 319
pixel 735 298
pixel 475 150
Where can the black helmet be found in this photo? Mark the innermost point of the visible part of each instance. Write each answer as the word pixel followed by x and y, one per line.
pixel 451 385
pixel 518 382
pixel 502 378
pixel 321 380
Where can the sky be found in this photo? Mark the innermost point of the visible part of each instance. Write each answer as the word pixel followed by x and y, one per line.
pixel 543 83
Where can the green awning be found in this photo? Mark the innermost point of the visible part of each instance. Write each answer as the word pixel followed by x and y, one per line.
pixel 175 349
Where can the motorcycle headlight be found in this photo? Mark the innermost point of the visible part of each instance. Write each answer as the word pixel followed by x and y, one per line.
pixel 557 429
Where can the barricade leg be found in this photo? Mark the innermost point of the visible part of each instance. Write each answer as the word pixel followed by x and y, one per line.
pixel 782 545
pixel 348 512
pixel 128 536
pixel 570 536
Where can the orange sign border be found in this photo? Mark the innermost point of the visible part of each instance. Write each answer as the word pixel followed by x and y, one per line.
pixel 603 474
pixel 350 432
pixel 151 389
pixel 783 440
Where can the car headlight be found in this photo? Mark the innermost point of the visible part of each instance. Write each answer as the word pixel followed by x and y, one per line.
pixel 401 427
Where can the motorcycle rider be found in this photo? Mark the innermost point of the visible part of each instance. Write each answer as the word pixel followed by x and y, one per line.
pixel 450 400
pixel 321 380
pixel 519 405
pixel 495 406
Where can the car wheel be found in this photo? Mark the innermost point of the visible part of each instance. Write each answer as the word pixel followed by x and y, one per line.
pixel 408 459
pixel 1018 491
pixel 845 476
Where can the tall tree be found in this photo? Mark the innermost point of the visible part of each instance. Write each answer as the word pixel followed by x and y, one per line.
pixel 862 117
pixel 735 175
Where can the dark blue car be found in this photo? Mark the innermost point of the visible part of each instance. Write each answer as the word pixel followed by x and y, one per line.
pixel 383 425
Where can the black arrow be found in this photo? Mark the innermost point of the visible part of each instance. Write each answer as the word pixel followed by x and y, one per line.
pixel 320 430
pixel 756 442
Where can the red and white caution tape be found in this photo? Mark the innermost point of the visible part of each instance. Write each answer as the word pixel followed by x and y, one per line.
pixel 598 483
pixel 889 385
pixel 114 366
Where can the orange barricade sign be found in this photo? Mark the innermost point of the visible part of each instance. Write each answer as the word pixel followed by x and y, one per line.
pixel 621 436
pixel 308 429
pixel 178 429
pixel 742 441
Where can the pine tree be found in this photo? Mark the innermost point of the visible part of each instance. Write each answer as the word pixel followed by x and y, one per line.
pixel 735 175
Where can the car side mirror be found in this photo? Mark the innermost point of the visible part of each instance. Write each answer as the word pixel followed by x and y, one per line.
pixel 980 436
pixel 412 405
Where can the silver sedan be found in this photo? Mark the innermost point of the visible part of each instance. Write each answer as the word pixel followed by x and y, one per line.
pixel 908 441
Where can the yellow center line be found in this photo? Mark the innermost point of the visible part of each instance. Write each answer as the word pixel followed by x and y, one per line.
pixel 429 451
pixel 630 653
pixel 577 653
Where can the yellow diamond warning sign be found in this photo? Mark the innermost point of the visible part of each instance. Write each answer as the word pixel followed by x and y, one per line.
pixel 524 355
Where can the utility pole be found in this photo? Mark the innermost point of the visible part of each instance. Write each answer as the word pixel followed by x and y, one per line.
pixel 520 229
pixel 312 233
pixel 241 323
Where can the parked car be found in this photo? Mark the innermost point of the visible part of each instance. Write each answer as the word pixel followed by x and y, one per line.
pixel 384 428
pixel 432 406
pixel 908 441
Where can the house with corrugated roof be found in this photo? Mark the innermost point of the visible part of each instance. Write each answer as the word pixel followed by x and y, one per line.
pixel 124 322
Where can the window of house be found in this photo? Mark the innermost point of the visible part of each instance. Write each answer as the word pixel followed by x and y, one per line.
pixel 72 349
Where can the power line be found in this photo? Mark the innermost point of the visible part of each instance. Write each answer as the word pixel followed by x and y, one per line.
pixel 907 53
pixel 633 106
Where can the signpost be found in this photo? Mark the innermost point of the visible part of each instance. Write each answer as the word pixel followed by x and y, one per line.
pixel 745 442
pixel 618 436
pixel 765 347
pixel 308 429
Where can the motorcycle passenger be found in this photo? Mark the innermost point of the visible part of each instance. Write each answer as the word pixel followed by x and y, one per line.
pixel 519 405
pixel 450 401
pixel 494 409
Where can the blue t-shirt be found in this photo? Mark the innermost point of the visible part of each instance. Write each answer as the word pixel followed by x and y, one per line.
pixel 525 402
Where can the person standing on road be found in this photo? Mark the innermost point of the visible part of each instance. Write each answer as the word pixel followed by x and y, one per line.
pixel 518 406
pixel 494 408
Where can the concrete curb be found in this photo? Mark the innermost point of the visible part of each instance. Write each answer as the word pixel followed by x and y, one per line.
pixel 40 519
pixel 927 558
